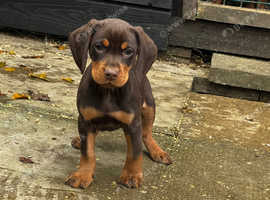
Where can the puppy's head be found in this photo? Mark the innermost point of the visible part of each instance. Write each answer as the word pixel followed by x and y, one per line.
pixel 115 48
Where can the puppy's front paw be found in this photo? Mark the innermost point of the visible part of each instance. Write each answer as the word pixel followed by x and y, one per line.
pixel 131 180
pixel 80 178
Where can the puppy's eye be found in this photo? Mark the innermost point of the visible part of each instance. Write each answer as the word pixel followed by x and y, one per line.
pixel 128 52
pixel 99 47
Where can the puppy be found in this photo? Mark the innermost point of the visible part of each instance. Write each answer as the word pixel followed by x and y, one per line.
pixel 114 93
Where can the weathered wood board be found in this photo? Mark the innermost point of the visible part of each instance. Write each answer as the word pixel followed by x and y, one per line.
pixel 219 37
pixel 163 4
pixel 204 86
pixel 233 15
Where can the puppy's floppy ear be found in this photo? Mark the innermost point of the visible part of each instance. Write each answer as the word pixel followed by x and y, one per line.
pixel 147 51
pixel 80 40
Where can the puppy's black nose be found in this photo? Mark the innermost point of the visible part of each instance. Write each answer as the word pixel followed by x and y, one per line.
pixel 111 73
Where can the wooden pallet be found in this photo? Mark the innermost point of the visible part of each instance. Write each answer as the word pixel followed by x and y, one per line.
pixel 220 28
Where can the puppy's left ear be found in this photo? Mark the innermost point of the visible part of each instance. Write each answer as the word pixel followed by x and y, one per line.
pixel 80 40
pixel 147 51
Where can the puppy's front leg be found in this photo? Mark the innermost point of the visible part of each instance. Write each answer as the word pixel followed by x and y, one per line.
pixel 132 175
pixel 83 177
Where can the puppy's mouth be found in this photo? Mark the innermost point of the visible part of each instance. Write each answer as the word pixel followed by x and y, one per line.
pixel 107 85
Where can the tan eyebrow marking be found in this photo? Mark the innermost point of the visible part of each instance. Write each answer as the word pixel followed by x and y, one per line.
pixel 124 45
pixel 106 42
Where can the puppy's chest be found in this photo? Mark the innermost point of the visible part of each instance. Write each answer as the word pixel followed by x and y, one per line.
pixel 106 108
pixel 112 106
pixel 90 113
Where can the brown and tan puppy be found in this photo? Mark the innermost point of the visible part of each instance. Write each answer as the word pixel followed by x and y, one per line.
pixel 114 93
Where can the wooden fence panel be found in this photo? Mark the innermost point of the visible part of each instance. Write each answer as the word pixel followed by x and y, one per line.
pixel 219 37
pixel 164 4
pixel 60 17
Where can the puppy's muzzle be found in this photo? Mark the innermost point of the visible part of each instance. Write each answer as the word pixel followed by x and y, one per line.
pixel 111 74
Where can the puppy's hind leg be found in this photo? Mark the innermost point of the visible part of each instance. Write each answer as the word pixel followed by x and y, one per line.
pixel 148 117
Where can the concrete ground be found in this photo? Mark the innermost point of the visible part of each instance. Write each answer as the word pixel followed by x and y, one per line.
pixel 220 146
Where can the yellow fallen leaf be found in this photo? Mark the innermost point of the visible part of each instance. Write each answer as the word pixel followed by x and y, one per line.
pixel 20 96
pixel 67 79
pixel 62 47
pixel 12 53
pixel 42 76
pixel 9 69
pixel 2 64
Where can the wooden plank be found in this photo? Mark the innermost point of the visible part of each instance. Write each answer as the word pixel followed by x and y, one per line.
pixel 221 37
pixel 233 15
pixel 60 17
pixel 164 4
pixel 179 52
pixel 177 8
pixel 204 86
pixel 189 9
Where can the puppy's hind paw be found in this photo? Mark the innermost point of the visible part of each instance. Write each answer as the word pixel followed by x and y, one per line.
pixel 76 142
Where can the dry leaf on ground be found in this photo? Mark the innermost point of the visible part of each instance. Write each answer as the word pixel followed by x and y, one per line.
pixel 20 96
pixel 67 79
pixel 9 69
pixel 42 76
pixel 2 64
pixel 62 47
pixel 38 96
pixel 2 51
pixel 12 53
pixel 26 160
